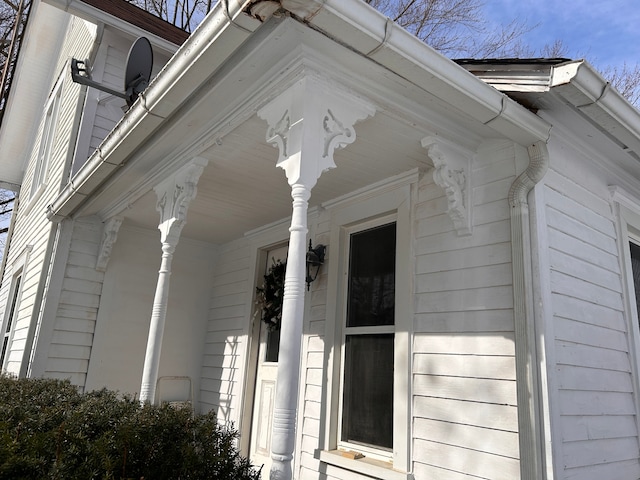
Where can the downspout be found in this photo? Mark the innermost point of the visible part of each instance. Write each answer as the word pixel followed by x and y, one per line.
pixel 527 375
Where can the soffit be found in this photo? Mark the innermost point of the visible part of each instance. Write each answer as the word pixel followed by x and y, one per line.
pixel 32 81
pixel 241 188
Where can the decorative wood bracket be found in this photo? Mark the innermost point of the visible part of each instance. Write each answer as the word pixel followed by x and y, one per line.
pixel 452 171
pixel 109 237
pixel 308 122
pixel 174 196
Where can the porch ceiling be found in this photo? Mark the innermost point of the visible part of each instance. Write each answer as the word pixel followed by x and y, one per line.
pixel 242 189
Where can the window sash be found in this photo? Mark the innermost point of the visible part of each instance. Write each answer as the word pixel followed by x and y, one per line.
pixel 367 382
pixel 46 141
pixel 11 318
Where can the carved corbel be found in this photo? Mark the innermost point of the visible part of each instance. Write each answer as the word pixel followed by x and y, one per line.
pixel 109 237
pixel 452 167
pixel 174 196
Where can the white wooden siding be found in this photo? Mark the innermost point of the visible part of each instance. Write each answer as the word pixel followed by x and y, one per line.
pixel 72 337
pixel 227 329
pixel 31 225
pixel 107 112
pixel 313 363
pixel 595 399
pixel 464 390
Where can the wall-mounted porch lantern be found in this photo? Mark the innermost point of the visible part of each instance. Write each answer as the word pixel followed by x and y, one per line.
pixel 315 258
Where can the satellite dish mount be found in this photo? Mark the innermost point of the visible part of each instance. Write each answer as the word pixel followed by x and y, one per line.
pixel 136 76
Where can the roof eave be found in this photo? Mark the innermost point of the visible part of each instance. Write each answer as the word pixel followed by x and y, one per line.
pixel 191 65
pixel 369 32
pixel 351 23
pixel 91 13
pixel 579 84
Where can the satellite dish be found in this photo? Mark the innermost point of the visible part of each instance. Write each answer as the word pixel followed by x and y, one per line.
pixel 138 70
pixel 136 77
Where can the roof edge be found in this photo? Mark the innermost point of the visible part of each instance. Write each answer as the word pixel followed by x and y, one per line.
pixel 583 87
pixel 377 37
pixel 127 18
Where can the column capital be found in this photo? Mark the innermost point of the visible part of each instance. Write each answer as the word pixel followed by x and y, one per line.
pixel 308 122
pixel 174 196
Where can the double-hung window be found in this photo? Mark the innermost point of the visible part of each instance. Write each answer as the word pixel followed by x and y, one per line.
pixel 634 250
pixel 368 396
pixel 11 317
pixel 368 339
pixel 46 141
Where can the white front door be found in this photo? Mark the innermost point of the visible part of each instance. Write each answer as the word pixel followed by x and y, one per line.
pixel 265 391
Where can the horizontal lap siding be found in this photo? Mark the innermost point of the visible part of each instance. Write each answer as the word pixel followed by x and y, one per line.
pixel 464 390
pixel 226 339
pixel 31 226
pixel 77 311
pixel 595 392
pixel 313 364
pixel 107 113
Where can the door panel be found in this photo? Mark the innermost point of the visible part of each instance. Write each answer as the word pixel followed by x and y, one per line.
pixel 265 391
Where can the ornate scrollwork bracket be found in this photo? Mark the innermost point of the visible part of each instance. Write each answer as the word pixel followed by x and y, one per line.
pixel 308 122
pixel 109 237
pixel 452 167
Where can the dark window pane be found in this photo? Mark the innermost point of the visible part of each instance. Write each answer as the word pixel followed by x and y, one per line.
pixel 635 267
pixel 372 265
pixel 273 345
pixel 368 390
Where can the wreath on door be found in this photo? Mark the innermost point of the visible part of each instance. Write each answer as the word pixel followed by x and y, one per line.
pixel 270 295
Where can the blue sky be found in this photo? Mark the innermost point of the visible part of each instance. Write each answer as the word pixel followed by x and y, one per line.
pixel 605 32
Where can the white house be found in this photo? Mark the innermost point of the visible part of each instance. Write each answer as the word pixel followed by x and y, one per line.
pixel 475 315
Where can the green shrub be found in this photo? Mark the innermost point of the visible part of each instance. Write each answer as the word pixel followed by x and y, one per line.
pixel 50 431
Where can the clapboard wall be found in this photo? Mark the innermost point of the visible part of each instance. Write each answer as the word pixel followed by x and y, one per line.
pixel 33 234
pixel 463 389
pixel 588 335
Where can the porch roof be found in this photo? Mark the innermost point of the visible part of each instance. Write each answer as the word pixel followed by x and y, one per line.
pixel 205 99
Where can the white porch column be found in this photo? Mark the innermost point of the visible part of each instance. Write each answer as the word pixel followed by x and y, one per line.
pixel 174 196
pixel 307 122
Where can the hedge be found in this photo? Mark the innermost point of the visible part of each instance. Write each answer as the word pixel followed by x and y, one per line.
pixel 48 430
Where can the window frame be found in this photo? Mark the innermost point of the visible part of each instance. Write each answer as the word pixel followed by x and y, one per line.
pixel 626 208
pixel 376 453
pixel 47 139
pixel 378 204
pixel 8 326
pixel 11 314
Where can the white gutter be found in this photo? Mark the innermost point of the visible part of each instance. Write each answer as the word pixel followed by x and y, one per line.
pixel 584 88
pixel 369 32
pixel 192 64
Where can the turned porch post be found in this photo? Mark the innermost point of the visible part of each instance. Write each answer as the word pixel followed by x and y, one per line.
pixel 307 122
pixel 174 196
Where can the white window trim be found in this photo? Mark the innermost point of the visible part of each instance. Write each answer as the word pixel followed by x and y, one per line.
pixel 18 269
pixel 626 209
pixel 370 452
pixel 391 198
pixel 45 149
